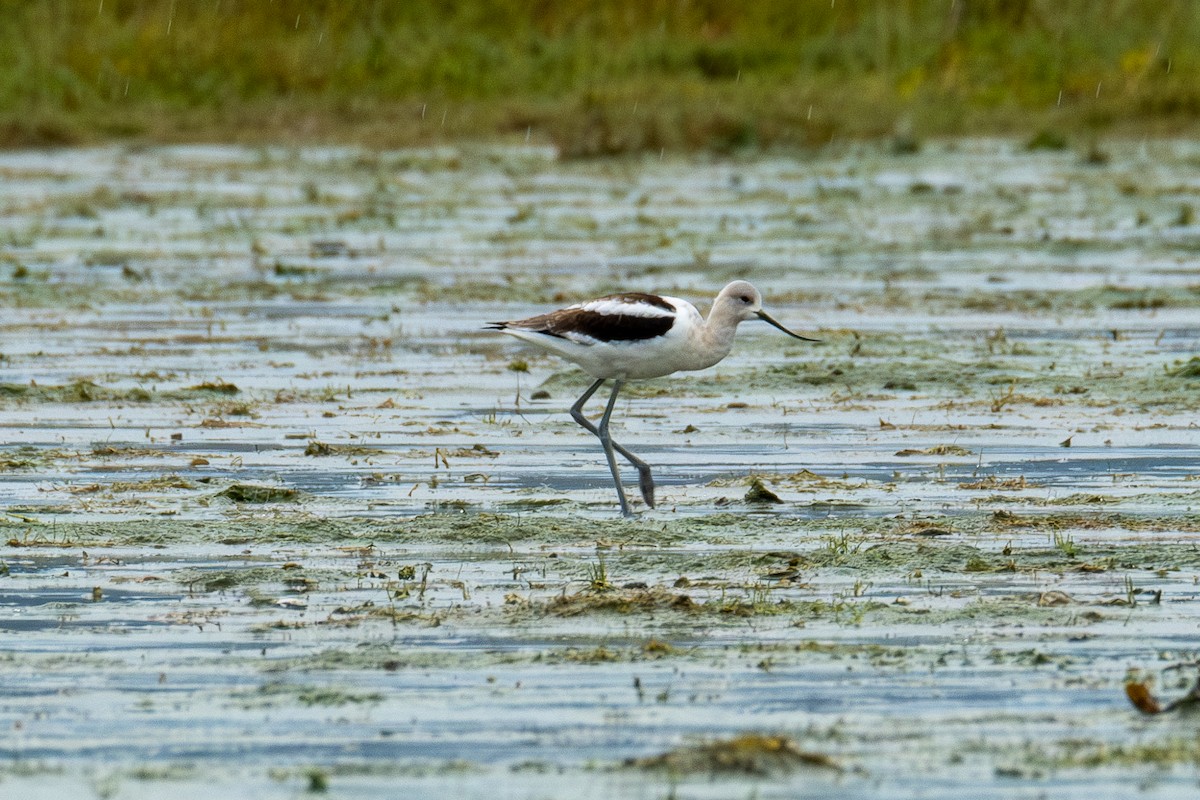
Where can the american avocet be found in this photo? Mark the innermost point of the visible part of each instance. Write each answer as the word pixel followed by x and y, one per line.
pixel 635 336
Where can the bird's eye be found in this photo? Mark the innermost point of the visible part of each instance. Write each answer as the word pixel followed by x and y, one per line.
pixel 745 299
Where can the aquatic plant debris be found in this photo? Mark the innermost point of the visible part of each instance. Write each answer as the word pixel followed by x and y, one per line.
pixel 1143 700
pixel 759 493
pixel 390 560
pixel 749 754
pixel 250 493
pixel 1190 369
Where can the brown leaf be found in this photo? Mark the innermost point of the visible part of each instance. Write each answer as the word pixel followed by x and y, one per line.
pixel 1142 700
pixel 1055 598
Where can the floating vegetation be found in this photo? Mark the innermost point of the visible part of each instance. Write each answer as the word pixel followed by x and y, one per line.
pixel 251 493
pixel 937 450
pixel 620 602
pixel 1189 369
pixel 150 485
pixel 26 457
pixel 310 695
pixel 215 387
pixel 747 754
pixel 325 480
pixel 993 484
pixel 759 493
pixel 315 448
pixel 88 391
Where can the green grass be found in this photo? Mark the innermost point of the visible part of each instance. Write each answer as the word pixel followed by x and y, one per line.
pixel 593 78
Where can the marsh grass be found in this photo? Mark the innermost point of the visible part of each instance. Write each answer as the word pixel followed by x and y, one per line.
pixel 594 78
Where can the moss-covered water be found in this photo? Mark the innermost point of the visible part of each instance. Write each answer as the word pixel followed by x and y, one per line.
pixel 279 517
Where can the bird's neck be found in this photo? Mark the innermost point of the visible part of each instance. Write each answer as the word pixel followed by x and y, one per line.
pixel 718 332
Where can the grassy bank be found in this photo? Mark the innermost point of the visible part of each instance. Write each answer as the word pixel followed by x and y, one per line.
pixel 625 75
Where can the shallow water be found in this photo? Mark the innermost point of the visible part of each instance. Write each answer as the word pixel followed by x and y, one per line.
pixel 987 473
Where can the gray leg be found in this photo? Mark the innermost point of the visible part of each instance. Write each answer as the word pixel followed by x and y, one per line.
pixel 607 441
pixel 645 478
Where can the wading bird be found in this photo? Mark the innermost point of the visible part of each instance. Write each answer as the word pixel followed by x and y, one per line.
pixel 634 336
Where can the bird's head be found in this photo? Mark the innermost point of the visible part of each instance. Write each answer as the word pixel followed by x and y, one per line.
pixel 744 303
